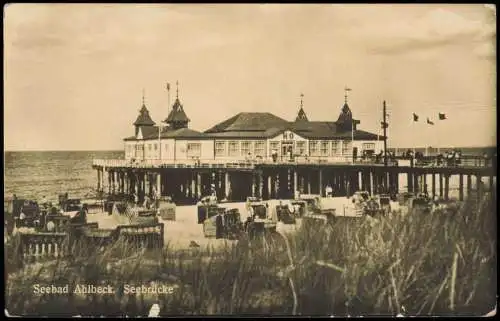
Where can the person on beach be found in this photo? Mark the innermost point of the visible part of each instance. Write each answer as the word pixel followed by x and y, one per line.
pixel 44 202
pixel 22 216
pixel 218 226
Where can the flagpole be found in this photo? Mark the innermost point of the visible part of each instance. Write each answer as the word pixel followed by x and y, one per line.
pixel 352 141
pixel 168 97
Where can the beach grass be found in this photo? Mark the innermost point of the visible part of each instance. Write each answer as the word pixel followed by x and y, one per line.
pixel 415 264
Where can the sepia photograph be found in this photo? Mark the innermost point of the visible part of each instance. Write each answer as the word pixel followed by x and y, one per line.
pixel 169 160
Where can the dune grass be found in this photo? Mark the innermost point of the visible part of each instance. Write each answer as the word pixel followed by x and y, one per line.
pixel 414 264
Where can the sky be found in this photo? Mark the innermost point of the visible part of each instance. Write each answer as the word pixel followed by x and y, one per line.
pixel 75 73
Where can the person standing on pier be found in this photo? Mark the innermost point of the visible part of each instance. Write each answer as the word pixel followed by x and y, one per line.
pixel 274 155
pixel 328 191
pixel 136 199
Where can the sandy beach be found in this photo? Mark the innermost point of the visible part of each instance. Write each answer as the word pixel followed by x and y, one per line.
pixel 180 233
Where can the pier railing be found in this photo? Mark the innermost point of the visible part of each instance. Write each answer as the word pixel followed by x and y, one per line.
pixel 249 163
pixel 227 163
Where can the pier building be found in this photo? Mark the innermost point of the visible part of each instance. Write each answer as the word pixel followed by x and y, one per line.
pixel 250 135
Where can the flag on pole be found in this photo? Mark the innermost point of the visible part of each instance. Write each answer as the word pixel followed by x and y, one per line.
pixel 442 116
pixel 168 86
pixel 347 89
pixel 429 121
pixel 384 124
pixel 415 117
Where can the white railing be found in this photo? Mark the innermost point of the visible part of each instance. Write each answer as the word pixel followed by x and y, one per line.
pixel 240 163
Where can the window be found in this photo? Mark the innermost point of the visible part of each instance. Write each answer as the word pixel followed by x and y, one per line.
pixel 336 148
pixel 313 148
pixel 220 148
pixel 193 149
pixel 347 147
pixel 166 147
pixel 245 148
pixel 149 146
pixel 325 148
pixel 274 146
pixel 156 147
pixel 368 146
pixel 300 148
pixel 234 149
pixel 259 148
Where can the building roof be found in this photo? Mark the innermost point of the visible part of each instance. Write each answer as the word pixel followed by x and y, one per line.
pixel 181 133
pixel 258 125
pixel 151 132
pixel 177 114
pixel 267 125
pixel 249 122
pixel 144 119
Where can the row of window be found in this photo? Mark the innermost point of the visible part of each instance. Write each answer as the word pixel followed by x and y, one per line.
pixel 240 148
pixel 323 148
pixel 257 148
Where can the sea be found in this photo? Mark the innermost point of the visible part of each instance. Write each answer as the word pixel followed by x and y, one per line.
pixel 35 174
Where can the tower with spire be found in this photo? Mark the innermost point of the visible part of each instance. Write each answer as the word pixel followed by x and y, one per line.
pixel 345 120
pixel 177 117
pixel 144 119
pixel 301 116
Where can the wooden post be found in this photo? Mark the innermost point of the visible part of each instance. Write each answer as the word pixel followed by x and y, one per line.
pixel 433 185
pixel 261 184
pixel 309 181
pixel 158 183
pixel 198 185
pixel 416 179
pixel 98 179
pixel 320 179
pixel 126 183
pixel 446 186
pixel 409 176
pixel 461 187
pixel 469 185
pixel 360 181
pixel 277 183
pixel 269 186
pixel 479 187
pixel 295 182
pixel 254 183
pixel 193 185
pixel 440 185
pixel 109 181
pixel 371 183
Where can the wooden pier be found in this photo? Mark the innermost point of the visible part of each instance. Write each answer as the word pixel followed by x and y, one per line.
pixel 187 181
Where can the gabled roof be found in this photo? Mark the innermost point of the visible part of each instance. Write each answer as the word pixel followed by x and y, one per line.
pixel 177 114
pixel 271 132
pixel 151 132
pixel 183 133
pixel 144 119
pixel 249 122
